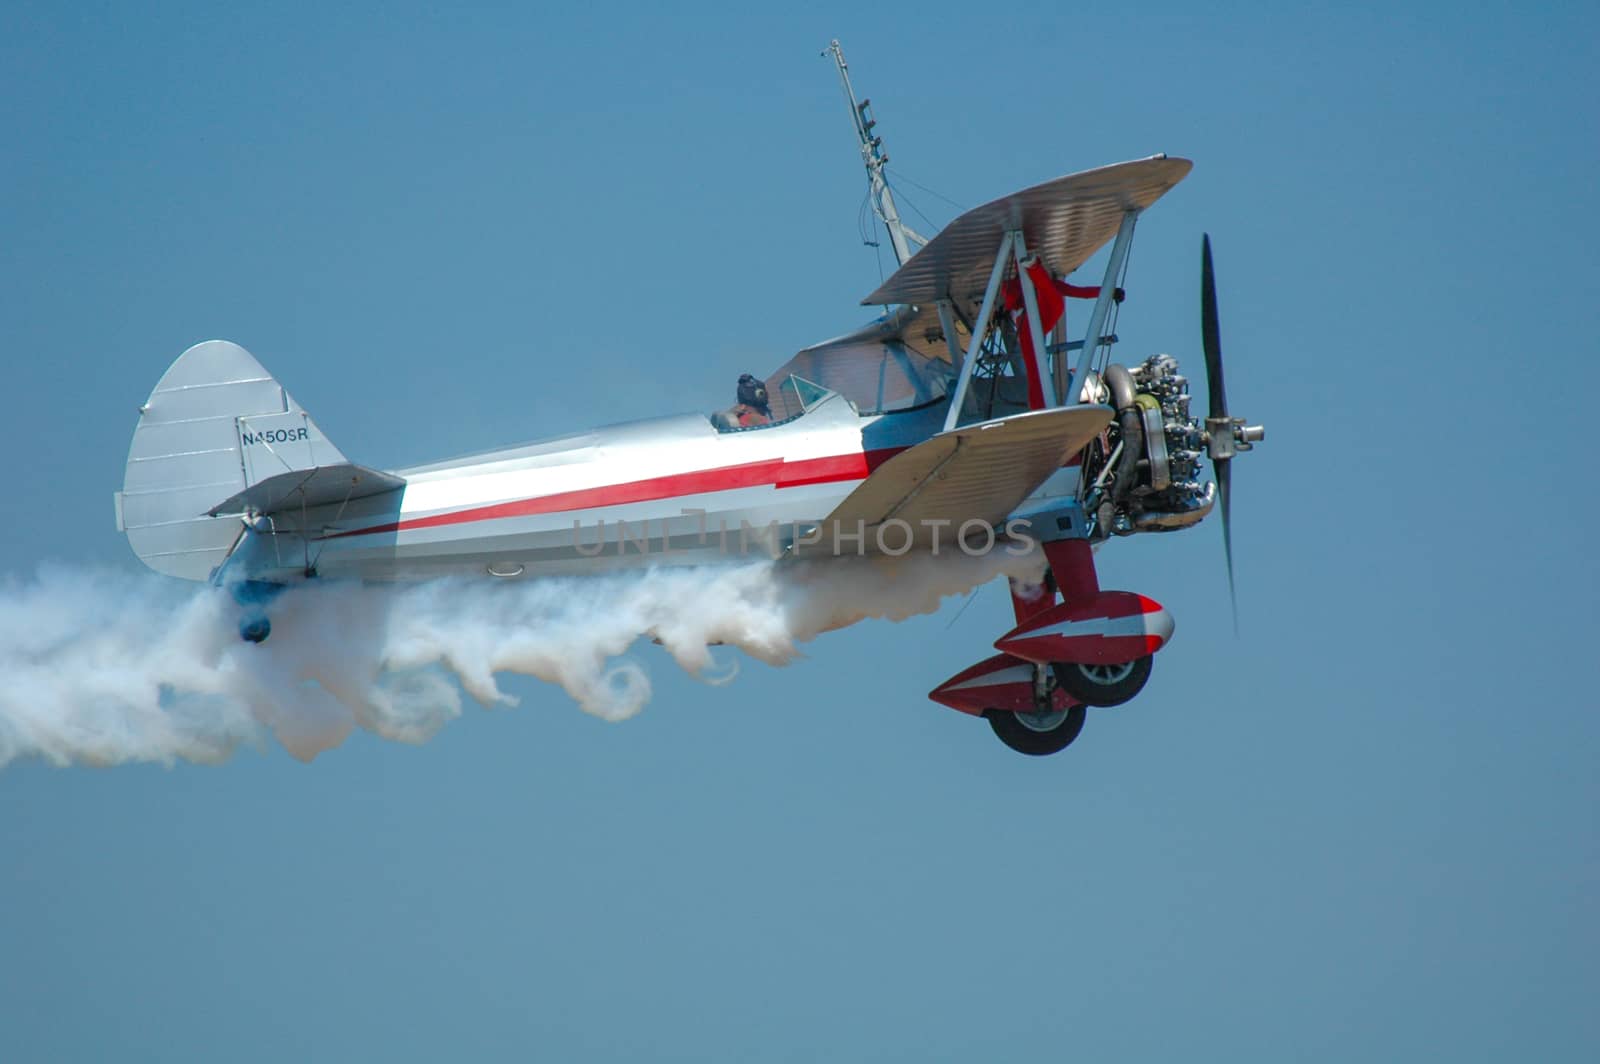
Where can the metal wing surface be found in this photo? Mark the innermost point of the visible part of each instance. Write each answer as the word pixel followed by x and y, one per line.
pixel 977 472
pixel 1064 221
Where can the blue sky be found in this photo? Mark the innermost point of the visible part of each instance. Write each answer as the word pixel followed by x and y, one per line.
pixel 1365 829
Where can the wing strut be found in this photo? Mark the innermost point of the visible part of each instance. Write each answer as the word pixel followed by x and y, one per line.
pixel 980 329
pixel 1102 306
pixel 1013 249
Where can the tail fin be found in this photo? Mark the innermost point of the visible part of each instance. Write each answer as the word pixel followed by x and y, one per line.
pixel 216 424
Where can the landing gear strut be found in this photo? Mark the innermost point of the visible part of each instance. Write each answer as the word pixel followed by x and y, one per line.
pixel 1049 728
pixel 1061 658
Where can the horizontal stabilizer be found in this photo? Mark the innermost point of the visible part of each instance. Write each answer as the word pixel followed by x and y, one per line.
pixel 977 472
pixel 323 486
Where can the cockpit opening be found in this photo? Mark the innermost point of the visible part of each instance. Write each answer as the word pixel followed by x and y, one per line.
pixel 874 374
pixel 764 404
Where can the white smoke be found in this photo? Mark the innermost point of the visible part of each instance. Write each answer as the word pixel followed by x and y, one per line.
pixel 105 667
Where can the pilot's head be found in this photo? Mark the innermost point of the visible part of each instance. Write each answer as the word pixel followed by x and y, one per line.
pixel 752 392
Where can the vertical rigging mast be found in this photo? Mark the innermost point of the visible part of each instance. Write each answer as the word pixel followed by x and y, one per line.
pixel 875 159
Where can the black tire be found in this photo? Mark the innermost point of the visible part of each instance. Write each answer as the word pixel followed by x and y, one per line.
pixel 1032 740
pixel 1103 685
pixel 255 628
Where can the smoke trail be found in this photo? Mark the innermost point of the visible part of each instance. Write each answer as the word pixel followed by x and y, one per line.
pixel 104 667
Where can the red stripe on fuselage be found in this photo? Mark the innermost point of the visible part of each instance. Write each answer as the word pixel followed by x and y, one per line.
pixel 776 472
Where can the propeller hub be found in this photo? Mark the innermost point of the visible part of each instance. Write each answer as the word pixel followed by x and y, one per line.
pixel 1227 436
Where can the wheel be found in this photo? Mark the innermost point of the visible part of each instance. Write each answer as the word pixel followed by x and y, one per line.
pixel 1103 685
pixel 1037 733
pixel 255 629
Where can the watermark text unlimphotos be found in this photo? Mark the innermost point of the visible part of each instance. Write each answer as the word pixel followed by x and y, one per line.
pixel 974 537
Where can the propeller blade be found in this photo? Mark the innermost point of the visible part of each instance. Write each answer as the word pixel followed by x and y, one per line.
pixel 1211 343
pixel 1210 331
pixel 1223 468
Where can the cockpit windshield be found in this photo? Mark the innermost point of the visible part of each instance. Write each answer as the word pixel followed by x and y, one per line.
pixel 878 377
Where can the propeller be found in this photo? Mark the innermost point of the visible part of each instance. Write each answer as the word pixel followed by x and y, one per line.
pixel 1225 435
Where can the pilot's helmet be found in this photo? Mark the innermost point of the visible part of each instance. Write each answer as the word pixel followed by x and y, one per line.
pixel 752 392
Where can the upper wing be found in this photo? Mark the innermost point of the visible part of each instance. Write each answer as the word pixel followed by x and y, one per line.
pixel 1064 222
pixel 977 472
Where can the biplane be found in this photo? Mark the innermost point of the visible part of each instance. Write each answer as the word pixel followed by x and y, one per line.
pixel 963 418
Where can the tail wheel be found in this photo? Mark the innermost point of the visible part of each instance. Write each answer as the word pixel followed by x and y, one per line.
pixel 1103 685
pixel 1038 734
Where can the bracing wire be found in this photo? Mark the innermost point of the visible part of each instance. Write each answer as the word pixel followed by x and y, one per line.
pixel 1116 311
pixel 899 176
pixel 963 608
pixel 877 245
pixel 862 225
pixel 867 230
pixel 933 226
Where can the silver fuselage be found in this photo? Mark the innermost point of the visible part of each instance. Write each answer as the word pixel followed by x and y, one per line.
pixel 670 490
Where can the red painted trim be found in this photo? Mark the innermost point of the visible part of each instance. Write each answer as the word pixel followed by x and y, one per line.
pixel 775 472
pixel 822 470
pixel 1085 647
pixel 1072 562
pixel 1014 695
